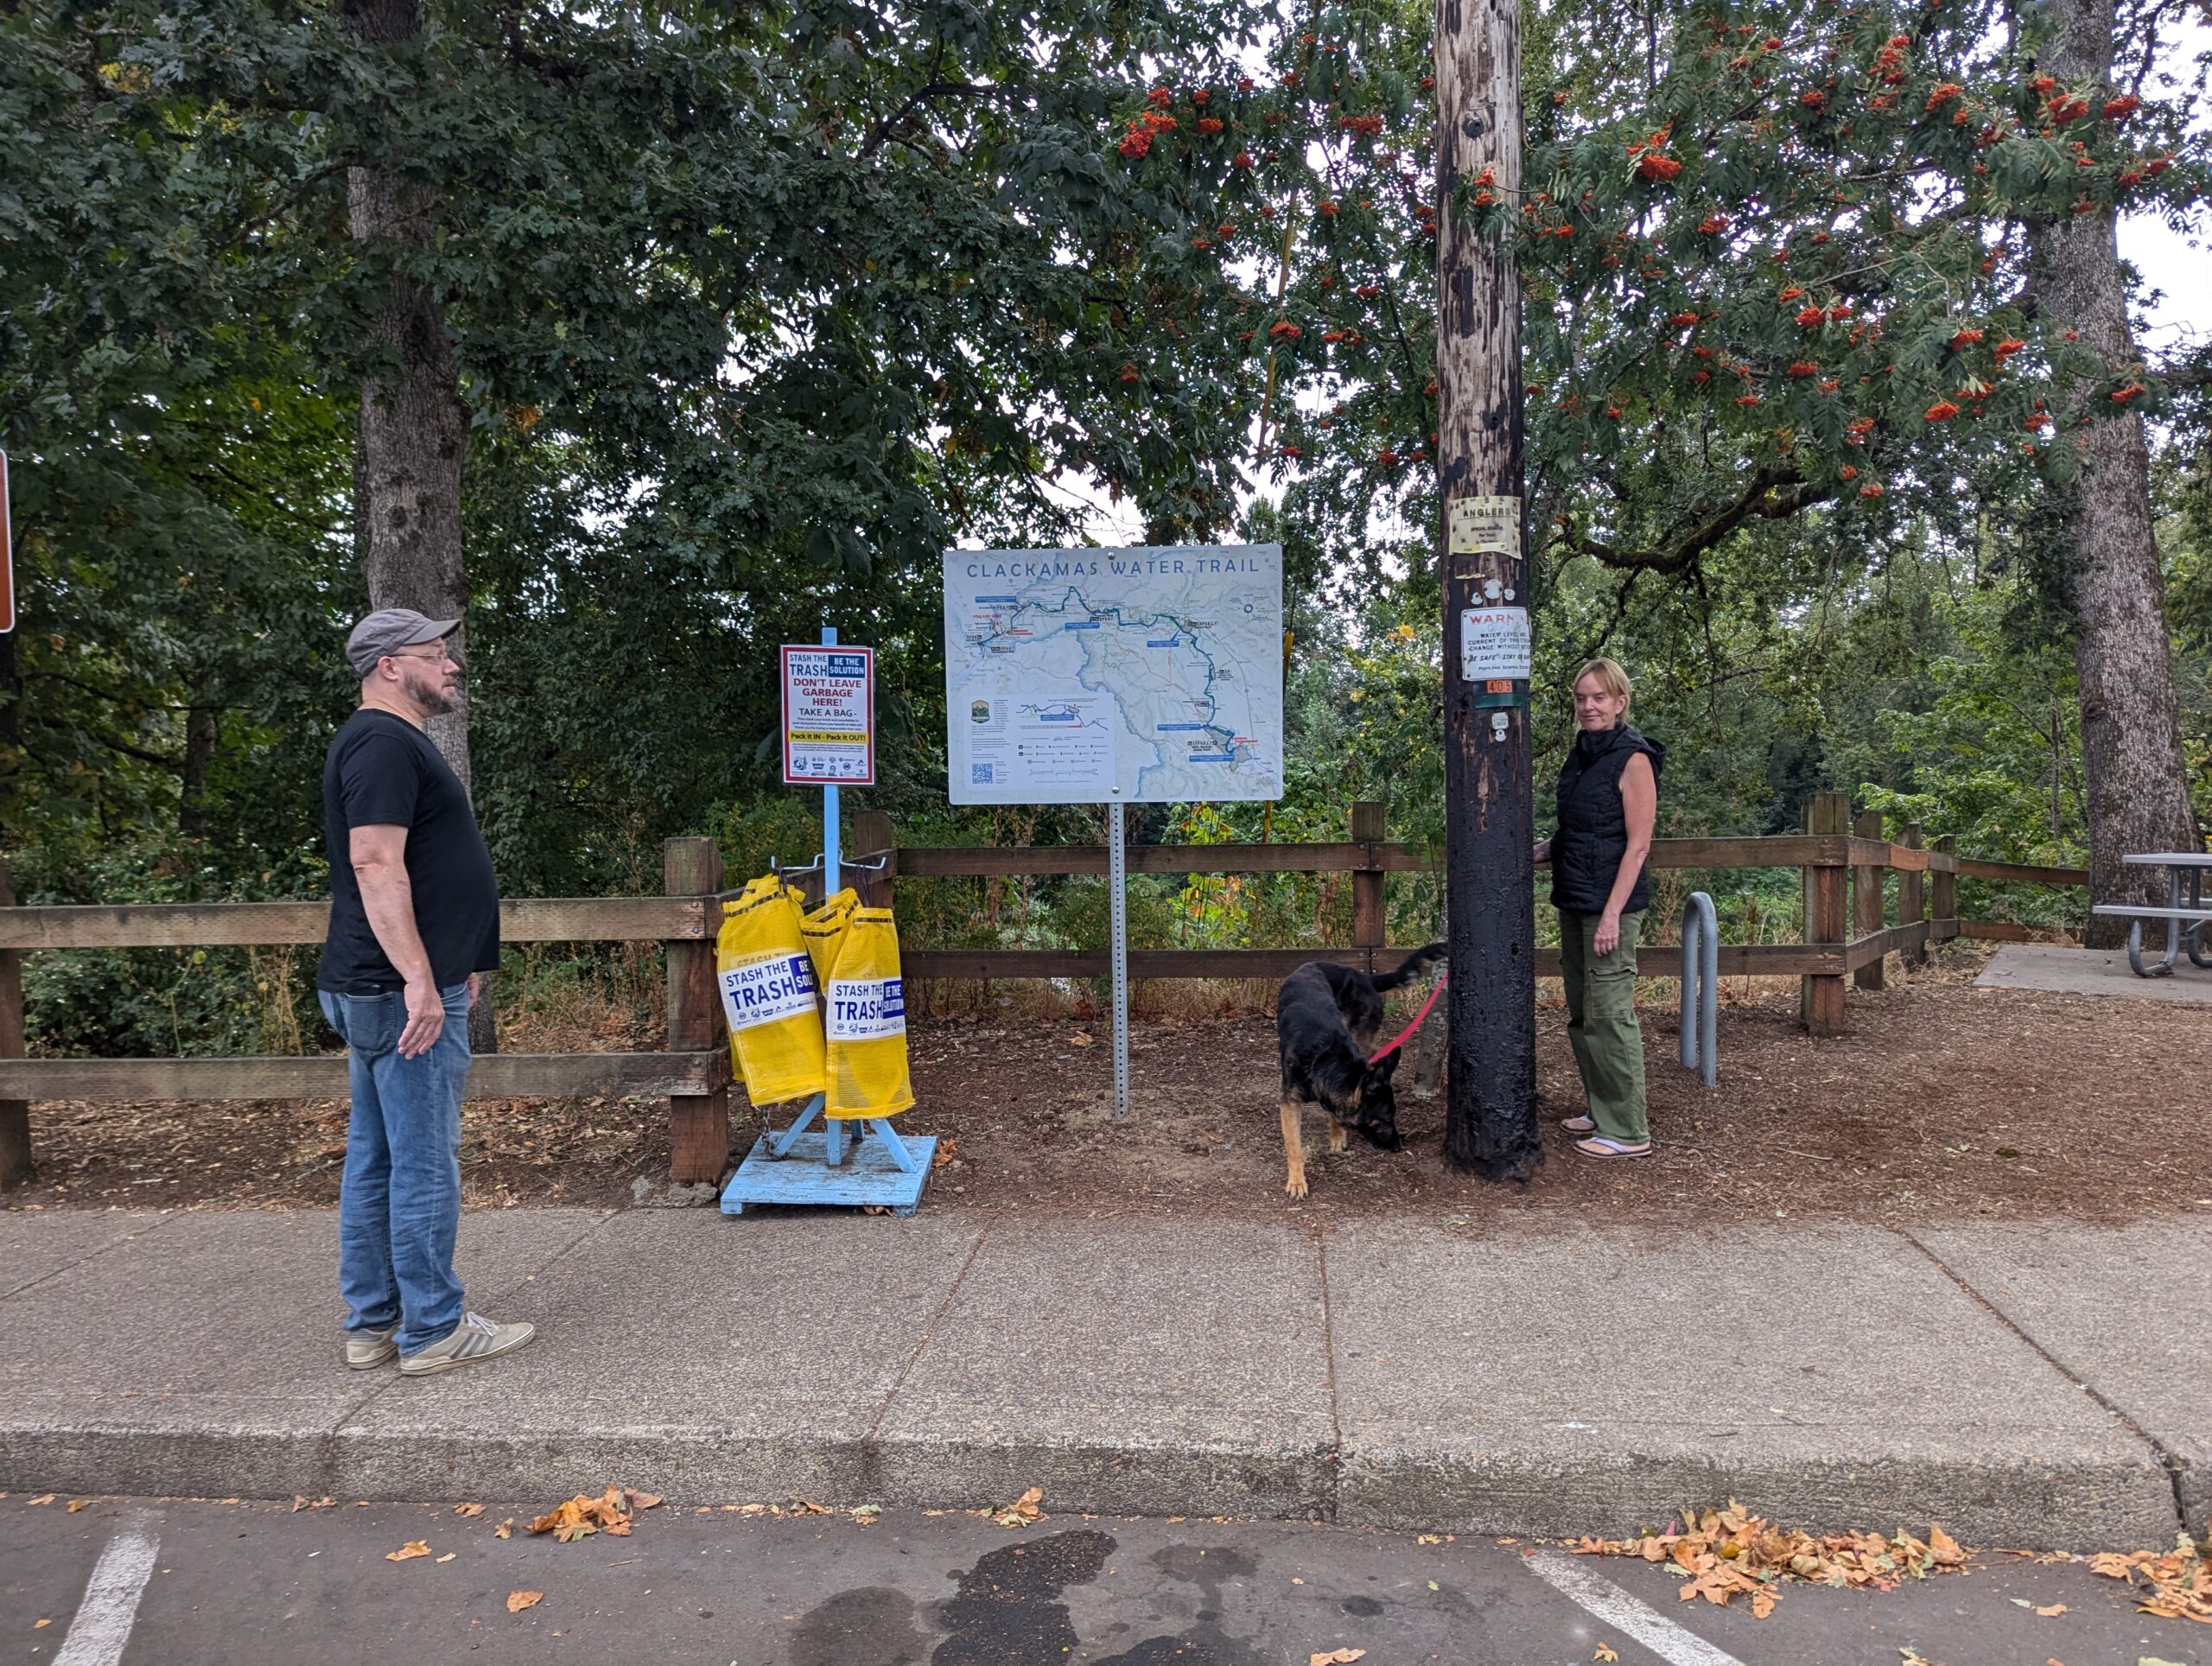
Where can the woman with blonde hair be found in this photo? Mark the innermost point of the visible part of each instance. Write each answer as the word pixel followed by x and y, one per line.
pixel 1608 804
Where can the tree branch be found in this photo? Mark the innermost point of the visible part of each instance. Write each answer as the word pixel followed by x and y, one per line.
pixel 1773 494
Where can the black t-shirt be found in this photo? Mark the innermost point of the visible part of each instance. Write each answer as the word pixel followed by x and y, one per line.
pixel 384 771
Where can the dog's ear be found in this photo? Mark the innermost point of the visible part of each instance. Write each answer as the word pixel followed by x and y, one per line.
pixel 1387 1066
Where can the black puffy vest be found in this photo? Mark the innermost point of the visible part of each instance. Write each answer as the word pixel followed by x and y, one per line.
pixel 1592 835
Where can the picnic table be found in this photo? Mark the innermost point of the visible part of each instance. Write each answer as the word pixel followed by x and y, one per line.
pixel 2185 922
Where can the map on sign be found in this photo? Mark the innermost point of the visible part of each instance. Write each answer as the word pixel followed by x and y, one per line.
pixel 1070 672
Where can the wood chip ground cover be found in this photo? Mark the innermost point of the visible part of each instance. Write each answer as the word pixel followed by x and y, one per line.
pixel 1944 1101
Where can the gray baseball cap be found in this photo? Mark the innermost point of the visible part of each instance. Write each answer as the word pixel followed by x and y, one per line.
pixel 390 629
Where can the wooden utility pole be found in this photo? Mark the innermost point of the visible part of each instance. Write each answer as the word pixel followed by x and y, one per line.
pixel 1490 1113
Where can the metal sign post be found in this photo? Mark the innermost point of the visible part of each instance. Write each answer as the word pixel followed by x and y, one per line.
pixel 1118 914
pixel 7 555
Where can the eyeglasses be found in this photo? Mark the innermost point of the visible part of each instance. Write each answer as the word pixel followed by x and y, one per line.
pixel 440 653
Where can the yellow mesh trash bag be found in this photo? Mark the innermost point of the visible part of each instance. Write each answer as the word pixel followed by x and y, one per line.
pixel 824 930
pixel 867 1022
pixel 768 994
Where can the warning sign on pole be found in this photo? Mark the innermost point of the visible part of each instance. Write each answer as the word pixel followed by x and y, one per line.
pixel 828 716
pixel 7 555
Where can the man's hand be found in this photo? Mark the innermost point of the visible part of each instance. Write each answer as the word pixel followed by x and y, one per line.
pixel 1608 936
pixel 475 988
pixel 1543 852
pixel 426 1019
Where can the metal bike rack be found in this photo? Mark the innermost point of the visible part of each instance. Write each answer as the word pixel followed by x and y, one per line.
pixel 1701 987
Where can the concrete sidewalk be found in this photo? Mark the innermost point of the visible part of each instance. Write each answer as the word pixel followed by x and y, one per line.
pixel 2024 1385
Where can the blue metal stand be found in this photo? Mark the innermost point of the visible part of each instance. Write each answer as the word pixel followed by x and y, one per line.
pixel 886 1172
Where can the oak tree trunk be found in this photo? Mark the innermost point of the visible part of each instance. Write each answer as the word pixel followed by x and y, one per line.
pixel 1491 1001
pixel 414 428
pixel 2131 721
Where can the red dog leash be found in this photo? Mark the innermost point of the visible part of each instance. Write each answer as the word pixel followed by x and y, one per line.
pixel 1406 1034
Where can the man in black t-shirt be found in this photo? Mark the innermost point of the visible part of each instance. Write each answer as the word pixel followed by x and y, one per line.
pixel 413 918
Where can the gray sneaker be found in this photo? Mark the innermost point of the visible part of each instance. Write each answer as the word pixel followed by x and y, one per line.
pixel 366 1350
pixel 474 1338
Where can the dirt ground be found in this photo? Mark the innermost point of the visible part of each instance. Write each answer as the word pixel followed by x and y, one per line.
pixel 1944 1101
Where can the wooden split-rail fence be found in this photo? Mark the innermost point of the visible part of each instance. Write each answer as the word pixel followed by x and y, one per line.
pixel 1846 866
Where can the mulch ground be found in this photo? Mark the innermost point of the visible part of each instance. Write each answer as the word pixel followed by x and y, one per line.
pixel 1944 1101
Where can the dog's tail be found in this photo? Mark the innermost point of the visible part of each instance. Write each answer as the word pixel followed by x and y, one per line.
pixel 1414 964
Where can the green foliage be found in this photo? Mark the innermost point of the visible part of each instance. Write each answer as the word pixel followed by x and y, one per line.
pixel 758 309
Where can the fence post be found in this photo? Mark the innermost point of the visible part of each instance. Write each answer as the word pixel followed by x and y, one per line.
pixel 1866 898
pixel 1946 889
pixel 698 1124
pixel 1912 897
pixel 870 836
pixel 1369 921
pixel 1820 995
pixel 14 1113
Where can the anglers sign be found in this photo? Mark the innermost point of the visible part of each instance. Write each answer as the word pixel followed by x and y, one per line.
pixel 828 716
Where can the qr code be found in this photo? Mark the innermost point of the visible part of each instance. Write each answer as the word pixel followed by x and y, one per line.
pixel 979 775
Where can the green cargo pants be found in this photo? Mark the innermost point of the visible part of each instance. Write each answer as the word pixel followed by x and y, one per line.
pixel 1601 1023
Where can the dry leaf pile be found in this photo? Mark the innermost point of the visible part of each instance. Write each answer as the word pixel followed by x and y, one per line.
pixel 2175 1586
pixel 1021 1512
pixel 1720 1553
pixel 583 1515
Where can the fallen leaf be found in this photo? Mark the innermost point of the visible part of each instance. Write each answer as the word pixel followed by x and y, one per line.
pixel 518 1600
pixel 1335 1657
pixel 448 1556
pixel 866 1514
pixel 2051 1612
pixel 76 1505
pixel 1429 1538
pixel 584 1515
pixel 506 1529
pixel 1082 1038
pixel 947 1148
pixel 41 1624
pixel 1722 1554
pixel 409 1551
pixel 642 1500
pixel 47 1498
pixel 1022 1511
pixel 1605 1651
pixel 468 1509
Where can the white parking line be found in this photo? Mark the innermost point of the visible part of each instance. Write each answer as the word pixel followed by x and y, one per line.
pixel 1674 1644
pixel 102 1627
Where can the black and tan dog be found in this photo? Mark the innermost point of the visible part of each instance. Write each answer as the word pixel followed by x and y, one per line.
pixel 1328 1018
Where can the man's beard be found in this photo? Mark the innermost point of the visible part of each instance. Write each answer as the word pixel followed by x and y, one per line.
pixel 427 690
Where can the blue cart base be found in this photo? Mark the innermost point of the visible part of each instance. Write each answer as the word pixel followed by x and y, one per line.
pixel 866 1176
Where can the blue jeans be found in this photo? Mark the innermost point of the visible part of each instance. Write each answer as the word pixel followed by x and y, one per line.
pixel 399 1204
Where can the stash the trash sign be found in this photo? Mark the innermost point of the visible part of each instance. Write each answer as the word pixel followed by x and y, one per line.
pixel 829 717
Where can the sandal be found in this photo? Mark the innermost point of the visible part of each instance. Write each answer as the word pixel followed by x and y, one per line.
pixel 1602 1146
pixel 1578 1125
